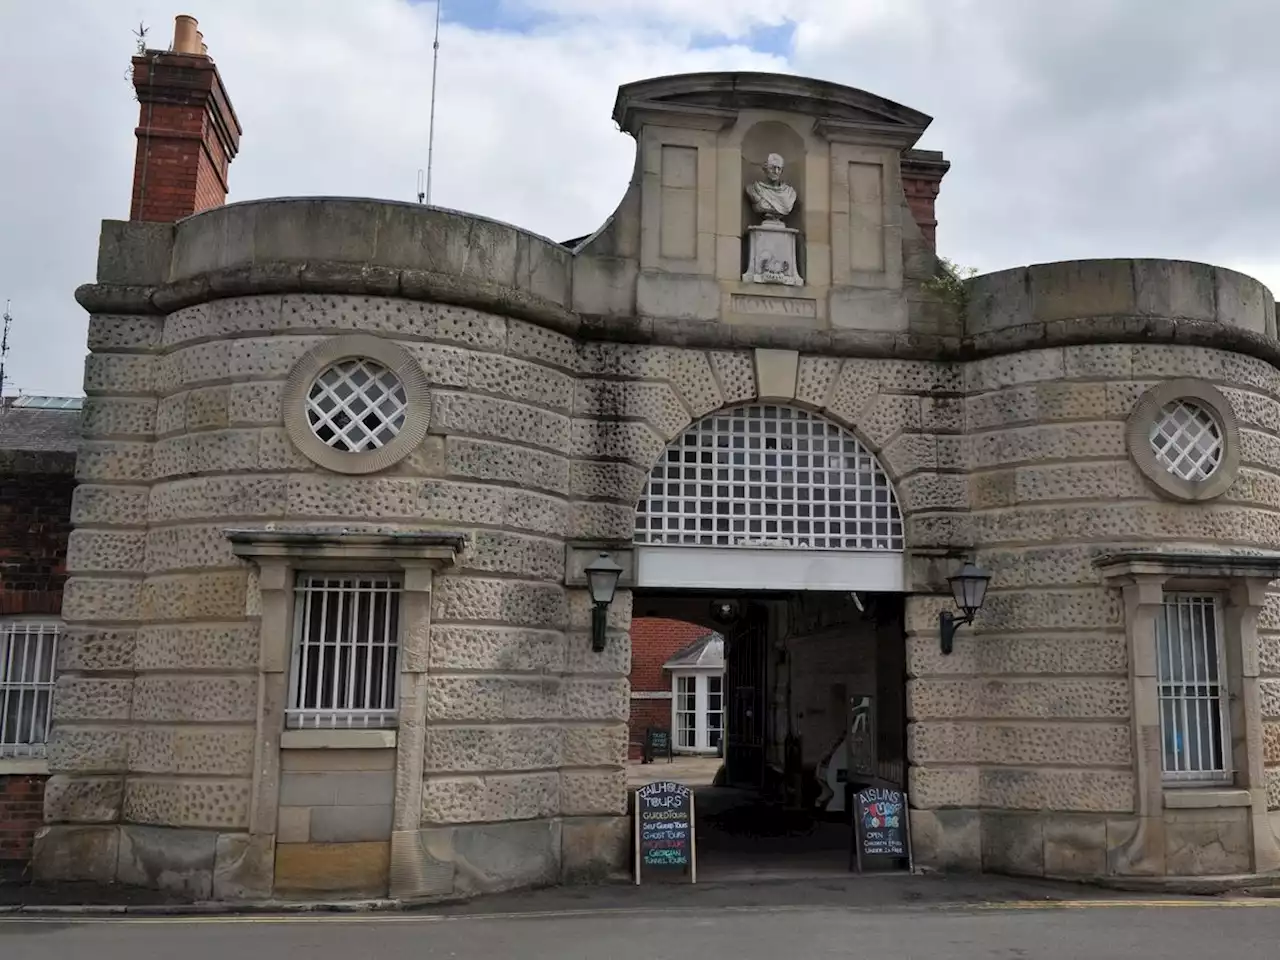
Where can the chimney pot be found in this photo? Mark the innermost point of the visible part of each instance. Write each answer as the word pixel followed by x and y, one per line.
pixel 185 35
pixel 187 131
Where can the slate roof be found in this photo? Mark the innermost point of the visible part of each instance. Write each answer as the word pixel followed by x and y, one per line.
pixel 32 429
pixel 705 653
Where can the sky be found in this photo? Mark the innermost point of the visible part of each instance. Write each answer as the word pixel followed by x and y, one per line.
pixel 1096 128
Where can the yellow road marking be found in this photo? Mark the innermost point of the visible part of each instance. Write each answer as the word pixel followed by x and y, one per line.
pixel 1131 904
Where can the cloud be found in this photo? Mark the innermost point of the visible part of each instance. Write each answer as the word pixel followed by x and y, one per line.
pixel 1091 129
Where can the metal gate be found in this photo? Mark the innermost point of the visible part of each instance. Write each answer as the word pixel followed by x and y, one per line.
pixel 745 678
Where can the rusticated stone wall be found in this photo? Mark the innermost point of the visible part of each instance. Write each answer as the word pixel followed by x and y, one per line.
pixel 535 439
pixel 1009 446
pixel 1030 719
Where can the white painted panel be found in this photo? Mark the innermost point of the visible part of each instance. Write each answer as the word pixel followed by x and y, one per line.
pixel 743 568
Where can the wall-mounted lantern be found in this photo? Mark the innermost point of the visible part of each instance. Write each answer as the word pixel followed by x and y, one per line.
pixel 602 580
pixel 969 588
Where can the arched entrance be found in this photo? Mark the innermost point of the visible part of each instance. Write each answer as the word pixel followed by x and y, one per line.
pixel 782 530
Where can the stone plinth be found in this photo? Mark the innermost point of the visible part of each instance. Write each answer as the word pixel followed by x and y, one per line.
pixel 773 255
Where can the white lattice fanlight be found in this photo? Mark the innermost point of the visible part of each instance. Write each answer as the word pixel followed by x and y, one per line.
pixel 765 475
pixel 1187 440
pixel 356 405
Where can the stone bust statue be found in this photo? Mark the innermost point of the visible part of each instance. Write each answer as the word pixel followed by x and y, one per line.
pixel 771 197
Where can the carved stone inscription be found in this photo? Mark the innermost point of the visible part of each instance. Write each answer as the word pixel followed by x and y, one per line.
pixel 774 306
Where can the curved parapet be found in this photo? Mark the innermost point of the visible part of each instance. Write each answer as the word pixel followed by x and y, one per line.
pixel 336 245
pixel 1079 300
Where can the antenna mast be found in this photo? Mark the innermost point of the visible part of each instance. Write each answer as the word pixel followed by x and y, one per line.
pixel 4 346
pixel 431 125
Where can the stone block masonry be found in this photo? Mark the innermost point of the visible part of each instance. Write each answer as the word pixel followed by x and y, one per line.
pixel 539 387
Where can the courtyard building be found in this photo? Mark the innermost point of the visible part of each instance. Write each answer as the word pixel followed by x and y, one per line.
pixel 348 467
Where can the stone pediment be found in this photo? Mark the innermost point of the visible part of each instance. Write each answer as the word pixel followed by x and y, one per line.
pixel 724 95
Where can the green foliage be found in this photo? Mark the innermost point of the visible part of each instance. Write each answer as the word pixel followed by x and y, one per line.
pixel 951 285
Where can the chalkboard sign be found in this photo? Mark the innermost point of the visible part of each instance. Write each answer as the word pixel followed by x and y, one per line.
pixel 657 742
pixel 664 828
pixel 881 829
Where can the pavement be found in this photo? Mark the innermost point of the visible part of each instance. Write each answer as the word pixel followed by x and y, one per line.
pixel 691 771
pixel 885 917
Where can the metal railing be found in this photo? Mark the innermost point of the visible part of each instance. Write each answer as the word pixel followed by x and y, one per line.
pixel 346 651
pixel 28 656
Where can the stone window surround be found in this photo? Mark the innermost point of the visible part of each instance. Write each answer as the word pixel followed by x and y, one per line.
pixel 1138 435
pixel 352 347
pixel 1241 582
pixel 279 556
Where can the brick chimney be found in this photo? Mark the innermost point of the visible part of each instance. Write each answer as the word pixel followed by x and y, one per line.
pixel 922 173
pixel 187 132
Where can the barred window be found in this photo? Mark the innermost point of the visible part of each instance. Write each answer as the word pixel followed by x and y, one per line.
pixel 345 651
pixel 1192 678
pixel 769 476
pixel 28 653
pixel 1187 440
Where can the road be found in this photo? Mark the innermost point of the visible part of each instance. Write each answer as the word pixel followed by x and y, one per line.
pixel 1098 930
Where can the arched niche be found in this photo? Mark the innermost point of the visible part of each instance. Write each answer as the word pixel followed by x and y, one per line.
pixel 762 139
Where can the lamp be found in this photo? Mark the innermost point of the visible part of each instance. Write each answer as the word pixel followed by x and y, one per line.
pixel 969 589
pixel 602 580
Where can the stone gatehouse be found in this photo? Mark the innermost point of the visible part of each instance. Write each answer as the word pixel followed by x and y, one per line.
pixel 344 461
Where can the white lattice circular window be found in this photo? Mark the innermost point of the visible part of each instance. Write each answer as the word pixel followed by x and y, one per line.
pixel 1183 436
pixel 357 404
pixel 766 475
pixel 1187 439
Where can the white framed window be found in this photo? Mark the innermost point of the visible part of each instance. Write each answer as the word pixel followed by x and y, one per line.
pixel 345 670
pixel 1191 676
pixel 697 711
pixel 28 656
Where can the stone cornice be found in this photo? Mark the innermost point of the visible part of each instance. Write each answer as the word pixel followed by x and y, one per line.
pixel 341 544
pixel 351 278
pixel 1261 565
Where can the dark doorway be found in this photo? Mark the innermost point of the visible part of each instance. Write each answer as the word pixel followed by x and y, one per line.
pixel 794 662
pixel 746 647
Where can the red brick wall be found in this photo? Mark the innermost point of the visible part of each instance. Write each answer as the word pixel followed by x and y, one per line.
pixel 35 521
pixel 187 136
pixel 653 642
pixel 21 815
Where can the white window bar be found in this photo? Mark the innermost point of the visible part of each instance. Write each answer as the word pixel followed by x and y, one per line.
pixel 345 652
pixel 28 655
pixel 1192 679
pixel 357 405
pixel 769 476
pixel 1187 440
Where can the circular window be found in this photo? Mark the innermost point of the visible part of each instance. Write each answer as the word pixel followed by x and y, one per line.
pixel 356 405
pixel 1187 440
pixel 1184 438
